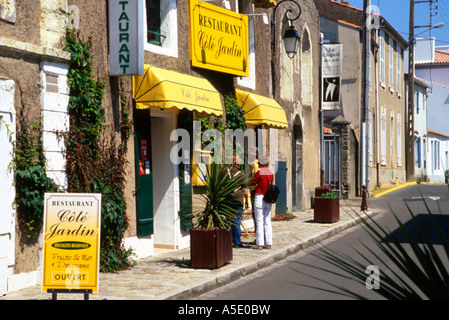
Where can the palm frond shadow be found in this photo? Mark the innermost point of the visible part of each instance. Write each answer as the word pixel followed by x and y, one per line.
pixel 415 268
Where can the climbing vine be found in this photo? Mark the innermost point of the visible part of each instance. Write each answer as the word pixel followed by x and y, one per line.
pixel 96 164
pixel 234 120
pixel 30 177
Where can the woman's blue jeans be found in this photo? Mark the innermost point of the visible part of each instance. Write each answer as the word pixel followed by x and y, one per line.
pixel 236 231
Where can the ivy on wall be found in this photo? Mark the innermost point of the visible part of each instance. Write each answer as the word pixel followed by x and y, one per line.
pixel 234 120
pixel 96 164
pixel 30 177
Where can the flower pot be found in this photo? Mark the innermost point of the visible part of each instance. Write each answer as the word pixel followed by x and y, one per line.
pixel 210 248
pixel 326 210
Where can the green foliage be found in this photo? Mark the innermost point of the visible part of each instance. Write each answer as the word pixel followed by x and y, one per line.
pixel 95 165
pixel 30 177
pixel 86 93
pixel 219 195
pixel 329 195
pixel 235 118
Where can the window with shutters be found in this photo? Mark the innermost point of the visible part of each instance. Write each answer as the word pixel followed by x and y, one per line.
pixel 398 70
pixel 390 62
pixel 383 136
pixel 382 58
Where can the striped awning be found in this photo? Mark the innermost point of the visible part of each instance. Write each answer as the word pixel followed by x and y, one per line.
pixel 261 110
pixel 166 89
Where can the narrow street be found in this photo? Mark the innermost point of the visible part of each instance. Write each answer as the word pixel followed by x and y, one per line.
pixel 290 279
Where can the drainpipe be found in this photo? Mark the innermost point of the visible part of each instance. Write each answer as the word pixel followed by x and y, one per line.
pixel 321 123
pixel 376 87
pixel 364 136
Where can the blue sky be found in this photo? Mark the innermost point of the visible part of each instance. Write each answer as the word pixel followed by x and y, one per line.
pixel 397 14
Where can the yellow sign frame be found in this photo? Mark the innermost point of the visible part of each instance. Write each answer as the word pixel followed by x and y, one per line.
pixel 218 39
pixel 71 254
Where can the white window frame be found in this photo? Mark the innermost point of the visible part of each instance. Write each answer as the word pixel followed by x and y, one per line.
pixel 383 136
pixel 390 63
pixel 382 58
pixel 250 81
pixel 399 70
pixel 169 28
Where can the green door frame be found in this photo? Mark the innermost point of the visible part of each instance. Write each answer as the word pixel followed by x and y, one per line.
pixel 143 172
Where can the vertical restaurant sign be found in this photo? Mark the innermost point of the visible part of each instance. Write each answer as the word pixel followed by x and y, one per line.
pixel 126 54
pixel 71 241
pixel 218 39
pixel 331 58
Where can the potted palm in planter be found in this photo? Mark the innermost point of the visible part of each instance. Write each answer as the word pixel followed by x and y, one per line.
pixel 326 208
pixel 211 238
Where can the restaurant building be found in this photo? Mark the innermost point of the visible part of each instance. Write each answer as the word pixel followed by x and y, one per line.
pixel 194 54
pixel 33 93
pixel 176 61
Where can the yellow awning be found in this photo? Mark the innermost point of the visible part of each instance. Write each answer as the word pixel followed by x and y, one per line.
pixel 261 110
pixel 169 89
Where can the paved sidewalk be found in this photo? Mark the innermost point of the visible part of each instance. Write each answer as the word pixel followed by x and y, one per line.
pixel 168 275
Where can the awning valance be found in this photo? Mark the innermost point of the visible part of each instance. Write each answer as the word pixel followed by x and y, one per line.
pixel 261 110
pixel 169 89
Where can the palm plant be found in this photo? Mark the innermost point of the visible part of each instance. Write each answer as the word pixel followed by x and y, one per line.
pixel 421 273
pixel 219 196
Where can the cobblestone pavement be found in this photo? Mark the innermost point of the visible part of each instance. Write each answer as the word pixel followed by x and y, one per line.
pixel 168 275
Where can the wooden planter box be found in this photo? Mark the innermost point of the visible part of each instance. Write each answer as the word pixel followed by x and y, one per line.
pixel 210 248
pixel 326 209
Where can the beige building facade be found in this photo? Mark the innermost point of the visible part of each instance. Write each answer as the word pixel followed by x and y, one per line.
pixel 33 88
pixel 382 161
pixel 388 101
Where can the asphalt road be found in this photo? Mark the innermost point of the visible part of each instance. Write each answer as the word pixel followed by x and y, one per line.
pixel 296 277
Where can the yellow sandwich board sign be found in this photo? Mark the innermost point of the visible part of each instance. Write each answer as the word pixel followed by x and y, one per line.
pixel 218 39
pixel 71 242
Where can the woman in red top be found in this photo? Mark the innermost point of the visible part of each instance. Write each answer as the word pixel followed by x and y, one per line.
pixel 262 209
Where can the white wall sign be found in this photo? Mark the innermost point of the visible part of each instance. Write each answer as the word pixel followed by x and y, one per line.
pixel 331 57
pixel 126 37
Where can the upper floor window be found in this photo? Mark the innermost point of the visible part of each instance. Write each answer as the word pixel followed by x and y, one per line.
pixel 382 58
pixel 398 69
pixel 153 8
pixel 390 62
pixel 161 27
pixel 246 7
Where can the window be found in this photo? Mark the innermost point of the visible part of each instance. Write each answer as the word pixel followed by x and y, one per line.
pixel 246 7
pixel 398 69
pixel 390 61
pixel 436 154
pixel 383 134
pixel 418 151
pixel 161 27
pixel 153 8
pixel 391 134
pixel 382 58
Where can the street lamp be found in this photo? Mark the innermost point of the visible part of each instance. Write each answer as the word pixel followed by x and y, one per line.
pixel 291 36
pixel 435 26
pixel 291 41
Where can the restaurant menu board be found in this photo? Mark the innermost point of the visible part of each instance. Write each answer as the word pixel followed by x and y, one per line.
pixel 71 241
